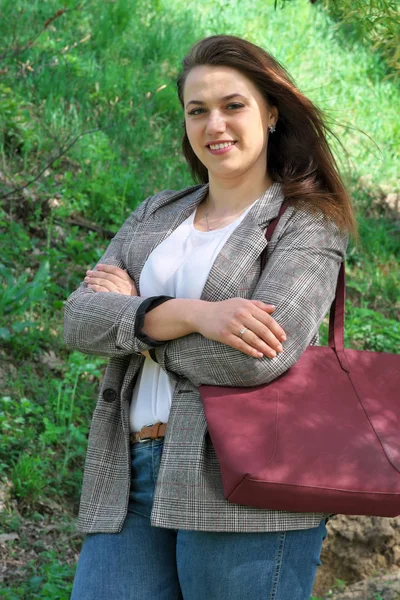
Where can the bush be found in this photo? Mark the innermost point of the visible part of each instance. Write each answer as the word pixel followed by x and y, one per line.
pixel 376 23
pixel 18 300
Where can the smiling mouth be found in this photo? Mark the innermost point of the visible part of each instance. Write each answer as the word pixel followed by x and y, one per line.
pixel 220 146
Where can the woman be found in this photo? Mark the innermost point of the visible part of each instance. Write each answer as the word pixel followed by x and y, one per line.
pixel 177 300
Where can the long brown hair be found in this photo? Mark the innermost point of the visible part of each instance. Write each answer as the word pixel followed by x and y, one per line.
pixel 298 154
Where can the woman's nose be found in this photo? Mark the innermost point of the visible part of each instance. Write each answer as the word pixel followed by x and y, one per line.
pixel 216 123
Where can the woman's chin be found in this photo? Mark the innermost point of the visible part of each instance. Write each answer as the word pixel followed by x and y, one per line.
pixel 225 172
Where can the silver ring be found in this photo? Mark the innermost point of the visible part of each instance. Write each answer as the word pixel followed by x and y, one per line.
pixel 242 332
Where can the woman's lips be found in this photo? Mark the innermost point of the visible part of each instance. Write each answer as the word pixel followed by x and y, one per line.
pixel 221 150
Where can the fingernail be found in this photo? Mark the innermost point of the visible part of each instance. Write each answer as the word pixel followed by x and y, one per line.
pixel 260 354
pixel 272 353
pixel 279 348
pixel 283 338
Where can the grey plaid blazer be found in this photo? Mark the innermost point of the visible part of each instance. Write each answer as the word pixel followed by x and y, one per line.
pixel 303 259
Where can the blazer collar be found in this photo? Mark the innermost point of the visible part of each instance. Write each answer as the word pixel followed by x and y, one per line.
pixel 265 209
pixel 241 250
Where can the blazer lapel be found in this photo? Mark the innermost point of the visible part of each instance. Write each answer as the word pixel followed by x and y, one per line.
pixel 242 248
pixel 158 225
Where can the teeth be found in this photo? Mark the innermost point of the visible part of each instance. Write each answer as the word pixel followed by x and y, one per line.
pixel 219 146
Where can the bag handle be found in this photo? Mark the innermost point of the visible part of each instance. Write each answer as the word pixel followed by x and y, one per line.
pixel 336 315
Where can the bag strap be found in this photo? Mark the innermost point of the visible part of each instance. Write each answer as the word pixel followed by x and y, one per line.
pixel 336 315
pixel 270 230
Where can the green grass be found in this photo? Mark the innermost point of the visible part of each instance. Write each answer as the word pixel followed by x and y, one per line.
pixel 44 421
pixel 100 80
pixel 110 81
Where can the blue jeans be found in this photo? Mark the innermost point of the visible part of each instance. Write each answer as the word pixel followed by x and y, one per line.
pixel 153 563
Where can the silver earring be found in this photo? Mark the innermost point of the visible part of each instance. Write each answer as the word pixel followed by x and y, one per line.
pixel 272 128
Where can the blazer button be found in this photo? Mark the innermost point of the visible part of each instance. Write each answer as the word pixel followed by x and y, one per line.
pixel 109 395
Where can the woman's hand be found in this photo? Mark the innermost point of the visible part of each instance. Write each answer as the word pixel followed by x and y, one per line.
pixel 107 278
pixel 224 321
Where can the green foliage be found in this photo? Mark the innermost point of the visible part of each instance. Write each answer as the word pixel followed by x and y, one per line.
pixel 370 330
pixel 19 298
pixel 100 80
pixel 89 77
pixel 374 267
pixel 366 329
pixel 48 578
pixel 29 478
pixel 340 584
pixel 35 434
pixel 376 23
pixel 17 130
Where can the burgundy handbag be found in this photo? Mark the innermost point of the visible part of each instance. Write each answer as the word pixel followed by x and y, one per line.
pixel 322 437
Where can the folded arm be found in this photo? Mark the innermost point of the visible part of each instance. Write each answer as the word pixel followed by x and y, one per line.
pixel 300 280
pixel 103 323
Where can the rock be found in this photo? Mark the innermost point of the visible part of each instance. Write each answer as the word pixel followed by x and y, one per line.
pixel 357 548
pixel 51 360
pixel 7 371
pixel 393 201
pixel 6 488
pixel 382 199
pixel 386 587
pixel 8 537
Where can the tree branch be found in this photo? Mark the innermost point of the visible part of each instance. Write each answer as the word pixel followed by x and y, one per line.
pixel 82 222
pixel 53 160
pixel 62 152
pixel 18 50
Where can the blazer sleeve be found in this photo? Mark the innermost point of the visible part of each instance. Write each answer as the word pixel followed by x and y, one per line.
pixel 103 323
pixel 300 280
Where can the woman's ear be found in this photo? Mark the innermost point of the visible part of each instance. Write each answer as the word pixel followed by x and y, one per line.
pixel 273 115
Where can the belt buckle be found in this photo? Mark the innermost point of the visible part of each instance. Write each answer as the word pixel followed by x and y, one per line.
pixel 146 439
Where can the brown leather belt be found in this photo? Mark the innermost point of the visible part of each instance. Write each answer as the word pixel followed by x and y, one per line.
pixel 149 432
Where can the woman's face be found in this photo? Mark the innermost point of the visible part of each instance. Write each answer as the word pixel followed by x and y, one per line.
pixel 227 122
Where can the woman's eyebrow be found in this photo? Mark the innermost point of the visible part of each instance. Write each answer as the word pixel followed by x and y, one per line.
pixel 223 99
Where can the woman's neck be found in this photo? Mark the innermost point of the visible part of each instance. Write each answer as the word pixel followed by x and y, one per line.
pixel 228 197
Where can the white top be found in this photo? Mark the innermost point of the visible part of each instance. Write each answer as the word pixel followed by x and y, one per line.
pixel 177 267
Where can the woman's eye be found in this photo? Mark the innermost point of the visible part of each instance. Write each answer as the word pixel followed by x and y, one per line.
pixel 235 105
pixel 196 111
